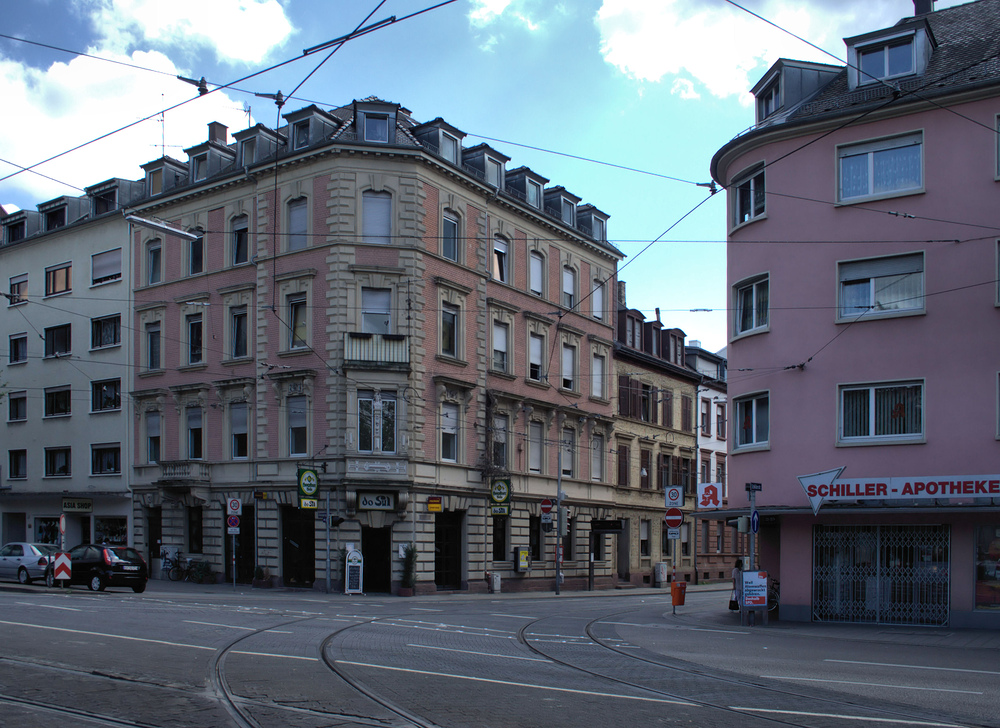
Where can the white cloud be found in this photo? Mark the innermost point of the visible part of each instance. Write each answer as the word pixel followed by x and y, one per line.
pixel 724 49
pixel 242 31
pixel 487 12
pixel 71 103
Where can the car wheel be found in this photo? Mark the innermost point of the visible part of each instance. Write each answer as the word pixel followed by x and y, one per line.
pixel 50 579
pixel 22 576
pixel 96 583
pixel 139 588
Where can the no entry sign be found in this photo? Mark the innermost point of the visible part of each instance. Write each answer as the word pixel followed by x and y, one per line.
pixel 674 517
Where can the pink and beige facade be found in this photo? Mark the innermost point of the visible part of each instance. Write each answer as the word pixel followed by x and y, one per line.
pixel 863 359
pixel 359 295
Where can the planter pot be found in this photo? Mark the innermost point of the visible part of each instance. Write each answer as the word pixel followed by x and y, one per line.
pixel 406 591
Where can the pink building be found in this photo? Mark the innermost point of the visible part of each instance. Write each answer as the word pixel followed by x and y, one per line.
pixel 863 267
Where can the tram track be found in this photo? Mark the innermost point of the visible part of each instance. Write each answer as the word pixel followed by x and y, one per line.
pixel 883 714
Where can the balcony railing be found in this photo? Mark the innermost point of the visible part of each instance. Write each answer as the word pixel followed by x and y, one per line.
pixel 191 470
pixel 376 348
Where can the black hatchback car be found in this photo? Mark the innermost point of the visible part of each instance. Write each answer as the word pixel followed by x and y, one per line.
pixel 100 565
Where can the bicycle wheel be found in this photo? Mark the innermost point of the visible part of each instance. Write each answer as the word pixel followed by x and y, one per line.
pixel 175 573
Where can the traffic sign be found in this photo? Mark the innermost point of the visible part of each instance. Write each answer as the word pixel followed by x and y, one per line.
pixel 674 517
pixel 673 533
pixel 547 506
pixel 547 517
pixel 755 521
pixel 63 568
pixel 674 496
pixel 233 521
pixel 234 507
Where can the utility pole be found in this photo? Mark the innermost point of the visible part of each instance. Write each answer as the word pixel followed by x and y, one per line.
pixel 559 517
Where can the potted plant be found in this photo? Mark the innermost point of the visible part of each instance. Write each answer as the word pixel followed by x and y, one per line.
pixel 409 570
pixel 261 579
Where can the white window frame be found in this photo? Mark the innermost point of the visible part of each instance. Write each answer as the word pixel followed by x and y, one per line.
pixel 53 452
pixel 17 341
pixel 20 397
pixel 500 266
pixel 52 282
pixel 450 236
pixel 300 134
pixel 194 329
pixel 154 262
pixel 380 404
pixel 115 322
pixel 153 327
pixel 451 314
pixel 450 432
pixel 750 197
pixel 296 419
pixel 109 264
pixel 568 297
pixel 598 373
pixel 239 231
pixel 196 254
pixel 298 224
pixel 758 286
pixel 536 273
pixel 297 303
pixel 374 133
pixel 18 292
pixel 105 450
pixel 239 425
pixel 376 217
pixel 750 405
pixel 872 414
pixel 878 278
pixel 236 336
pixel 501 351
pixel 536 356
pixel 97 395
pixel 534 194
pixel 883 47
pixel 597 458
pixel 376 310
pixel 570 367
pixel 870 150
pixel 536 447
pixel 20 457
pixel 449 147
pixel 769 99
pixel 597 299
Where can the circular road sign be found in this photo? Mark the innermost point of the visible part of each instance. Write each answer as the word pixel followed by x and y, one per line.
pixel 546 506
pixel 674 517
pixel 308 482
pixel 233 521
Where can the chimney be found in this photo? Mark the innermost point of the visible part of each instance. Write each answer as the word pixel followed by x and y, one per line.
pixel 694 343
pixel 218 132
pixel 621 294
pixel 922 7
pixel 658 315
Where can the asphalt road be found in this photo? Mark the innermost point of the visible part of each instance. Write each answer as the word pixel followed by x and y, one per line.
pixel 192 655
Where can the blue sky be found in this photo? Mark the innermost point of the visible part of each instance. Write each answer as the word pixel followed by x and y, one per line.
pixel 654 85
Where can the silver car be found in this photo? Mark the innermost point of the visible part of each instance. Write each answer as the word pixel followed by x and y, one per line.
pixel 26 561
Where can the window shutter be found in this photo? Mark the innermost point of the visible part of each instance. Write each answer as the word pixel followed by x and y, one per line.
pixel 635 394
pixel 654 397
pixel 623 396
pixel 623 466
pixel 668 408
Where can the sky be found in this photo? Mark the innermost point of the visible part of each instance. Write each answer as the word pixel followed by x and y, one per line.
pixel 644 91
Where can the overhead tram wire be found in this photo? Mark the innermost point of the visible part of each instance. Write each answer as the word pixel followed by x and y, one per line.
pixel 231 84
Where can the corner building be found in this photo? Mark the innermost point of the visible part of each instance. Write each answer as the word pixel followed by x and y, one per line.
pixel 359 294
pixel 862 264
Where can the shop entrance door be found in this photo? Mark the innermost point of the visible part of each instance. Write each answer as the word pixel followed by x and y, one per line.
pixel 881 574
pixel 448 550
pixel 298 546
pixel 376 547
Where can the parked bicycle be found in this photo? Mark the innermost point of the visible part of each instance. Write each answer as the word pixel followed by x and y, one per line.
pixel 773 596
pixel 192 570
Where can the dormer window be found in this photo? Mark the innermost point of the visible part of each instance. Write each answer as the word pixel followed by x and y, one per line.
pixel 568 212
pixel 376 128
pixel 534 194
pixel 155 181
pixel 769 100
pixel 248 152
pixel 199 167
pixel 600 229
pixel 886 60
pixel 493 172
pixel 55 218
pixel 106 201
pixel 449 147
pixel 16 231
pixel 301 135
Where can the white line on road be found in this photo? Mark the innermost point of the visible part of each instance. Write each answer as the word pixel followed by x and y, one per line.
pixel 425 609
pixel 279 631
pixel 49 606
pixel 271 654
pixel 215 624
pixel 508 683
pixel 102 634
pixel 870 685
pixel 917 667
pixel 847 717
pixel 485 654
pixel 688 629
pixel 512 616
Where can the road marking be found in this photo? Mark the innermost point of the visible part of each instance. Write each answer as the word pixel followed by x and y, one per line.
pixel 102 634
pixel 271 654
pixel 569 642
pixel 847 717
pixel 508 683
pixel 917 667
pixel 687 629
pixel 49 606
pixel 560 636
pixel 486 654
pixel 215 624
pixel 512 616
pixel 870 685
pixel 279 631
pixel 425 609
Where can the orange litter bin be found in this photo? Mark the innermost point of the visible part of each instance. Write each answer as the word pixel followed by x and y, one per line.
pixel 677 591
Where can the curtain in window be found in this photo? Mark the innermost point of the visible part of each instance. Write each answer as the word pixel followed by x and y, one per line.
pixel 896 169
pixel 897 410
pixel 854 176
pixel 375 315
pixel 855 413
pixel 898 292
